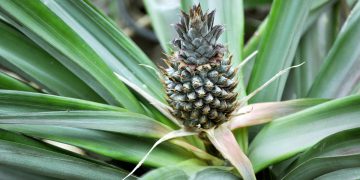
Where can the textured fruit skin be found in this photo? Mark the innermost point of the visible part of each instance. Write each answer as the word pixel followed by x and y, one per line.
pixel 199 82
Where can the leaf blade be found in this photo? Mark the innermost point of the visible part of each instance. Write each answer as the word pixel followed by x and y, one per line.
pixel 53 164
pixel 292 134
pixel 224 141
pixel 260 113
pixel 335 152
pixel 338 78
pixel 18 101
pixel 120 122
pixel 36 65
pixel 10 83
pixel 44 25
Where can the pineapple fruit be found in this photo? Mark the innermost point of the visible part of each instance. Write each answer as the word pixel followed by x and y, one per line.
pixel 199 80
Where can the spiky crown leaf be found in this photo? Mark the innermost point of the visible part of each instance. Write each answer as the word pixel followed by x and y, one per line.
pixel 198 36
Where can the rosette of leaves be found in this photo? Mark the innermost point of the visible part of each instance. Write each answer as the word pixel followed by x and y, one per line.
pixel 58 84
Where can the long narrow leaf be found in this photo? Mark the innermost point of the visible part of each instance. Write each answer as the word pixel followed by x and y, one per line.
pixel 348 173
pixel 116 146
pixel 287 136
pixel 178 171
pixel 261 113
pixel 119 52
pixel 21 55
pixel 318 7
pixel 163 14
pixel 313 47
pixel 46 24
pixel 336 152
pixel 21 139
pixel 51 164
pixel 340 73
pixel 213 173
pixel 121 122
pixel 279 42
pixel 225 142
pixel 8 82
pixel 18 101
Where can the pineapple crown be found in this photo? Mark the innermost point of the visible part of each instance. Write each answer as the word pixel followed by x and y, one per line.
pixel 198 36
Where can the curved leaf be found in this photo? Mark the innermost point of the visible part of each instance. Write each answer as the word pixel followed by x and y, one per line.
pixel 348 173
pixel 335 152
pixel 260 113
pixel 287 136
pixel 121 122
pixel 340 73
pixel 12 173
pixel 313 47
pixel 119 52
pixel 116 146
pixel 8 82
pixel 46 23
pixel 163 14
pixel 52 164
pixel 279 42
pixel 166 173
pixel 317 8
pixel 19 101
pixel 224 141
pixel 11 102
pixel 179 171
pixel 18 138
pixel 19 54
pixel 213 174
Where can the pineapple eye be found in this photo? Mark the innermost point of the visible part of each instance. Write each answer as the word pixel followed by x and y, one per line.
pixel 206 110
pixel 209 98
pixel 209 85
pixel 198 104
pixel 213 74
pixel 191 96
pixel 186 87
pixel 196 82
pixel 201 92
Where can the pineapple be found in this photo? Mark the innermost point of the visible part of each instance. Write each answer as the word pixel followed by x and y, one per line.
pixel 199 81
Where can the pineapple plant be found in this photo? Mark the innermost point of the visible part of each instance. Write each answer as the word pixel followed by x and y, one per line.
pixel 80 100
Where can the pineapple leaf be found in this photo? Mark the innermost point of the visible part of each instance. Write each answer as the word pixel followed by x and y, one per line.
pixel 50 26
pixel 335 152
pixel 116 146
pixel 340 73
pixel 313 47
pixel 163 14
pixel 289 135
pixel 318 7
pixel 8 82
pixel 35 64
pixel 213 173
pixel 261 113
pixel 119 122
pixel 19 101
pixel 279 42
pixel 224 141
pixel 346 173
pixel 41 162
